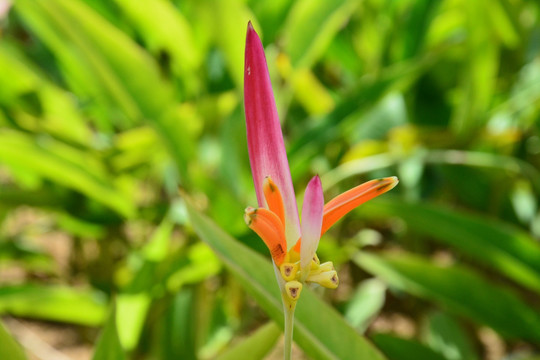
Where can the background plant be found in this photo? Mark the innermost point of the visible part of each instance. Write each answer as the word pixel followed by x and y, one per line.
pixel 107 107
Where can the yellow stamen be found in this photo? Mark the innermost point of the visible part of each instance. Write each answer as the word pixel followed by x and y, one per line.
pixel 288 271
pixel 328 279
pixel 315 262
pixel 293 289
pixel 324 267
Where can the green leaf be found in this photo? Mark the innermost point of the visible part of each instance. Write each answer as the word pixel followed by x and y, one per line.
pixel 66 166
pixel 9 348
pixel 256 346
pixel 402 349
pixel 446 336
pixel 390 112
pixel 97 58
pixel 84 307
pixel 108 346
pixel 526 357
pixel 133 302
pixel 164 28
pixel 504 248
pixel 203 263
pixel 364 95
pixel 178 337
pixel 367 301
pixel 310 27
pixel 459 289
pixel 416 28
pixel 130 315
pixel 230 19
pixel 478 81
pixel 60 116
pixel 319 329
pixel 101 64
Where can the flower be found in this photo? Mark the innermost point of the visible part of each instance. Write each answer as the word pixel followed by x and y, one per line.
pixel 292 243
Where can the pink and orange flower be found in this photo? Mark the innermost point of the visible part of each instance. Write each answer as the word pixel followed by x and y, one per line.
pixel 292 243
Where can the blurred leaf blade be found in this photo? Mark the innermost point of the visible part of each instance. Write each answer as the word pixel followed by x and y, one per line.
pixel 256 346
pixel 65 166
pixel 165 28
pixel 84 307
pixel 311 26
pixel 397 348
pixel 104 50
pixel 9 348
pixel 458 288
pixel 506 249
pixel 108 346
pixel 104 65
pixel 364 305
pixel 446 336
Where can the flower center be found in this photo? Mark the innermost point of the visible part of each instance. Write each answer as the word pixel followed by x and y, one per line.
pixel 269 224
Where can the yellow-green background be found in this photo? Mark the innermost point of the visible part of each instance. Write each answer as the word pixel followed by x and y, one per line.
pixel 108 108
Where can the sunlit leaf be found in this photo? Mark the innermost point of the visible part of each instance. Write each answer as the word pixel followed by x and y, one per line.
pixel 478 80
pixel 9 348
pixel 311 26
pixel 84 307
pixel 108 346
pixel 254 347
pixel 230 23
pixel 367 93
pixel 131 310
pixel 105 66
pixel 60 116
pixel 165 29
pixel 94 53
pixel 66 166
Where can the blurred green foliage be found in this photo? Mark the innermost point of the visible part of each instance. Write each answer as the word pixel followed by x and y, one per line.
pixel 107 108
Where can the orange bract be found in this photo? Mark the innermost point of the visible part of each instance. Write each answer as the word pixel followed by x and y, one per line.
pixel 339 206
pixel 270 229
pixel 336 208
pixel 273 198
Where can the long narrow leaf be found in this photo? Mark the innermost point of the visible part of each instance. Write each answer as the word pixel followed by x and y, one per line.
pixel 254 347
pixel 84 307
pixel 9 349
pixel 108 346
pixel 65 166
pixel 504 248
pixel 459 289
pixel 402 349
pixel 101 64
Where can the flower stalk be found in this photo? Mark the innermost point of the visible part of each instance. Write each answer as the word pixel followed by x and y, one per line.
pixel 288 310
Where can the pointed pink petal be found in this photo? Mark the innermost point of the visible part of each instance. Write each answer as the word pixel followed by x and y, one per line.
pixel 4 8
pixel 267 154
pixel 312 214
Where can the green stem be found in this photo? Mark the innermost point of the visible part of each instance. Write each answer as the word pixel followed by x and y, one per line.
pixel 288 311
